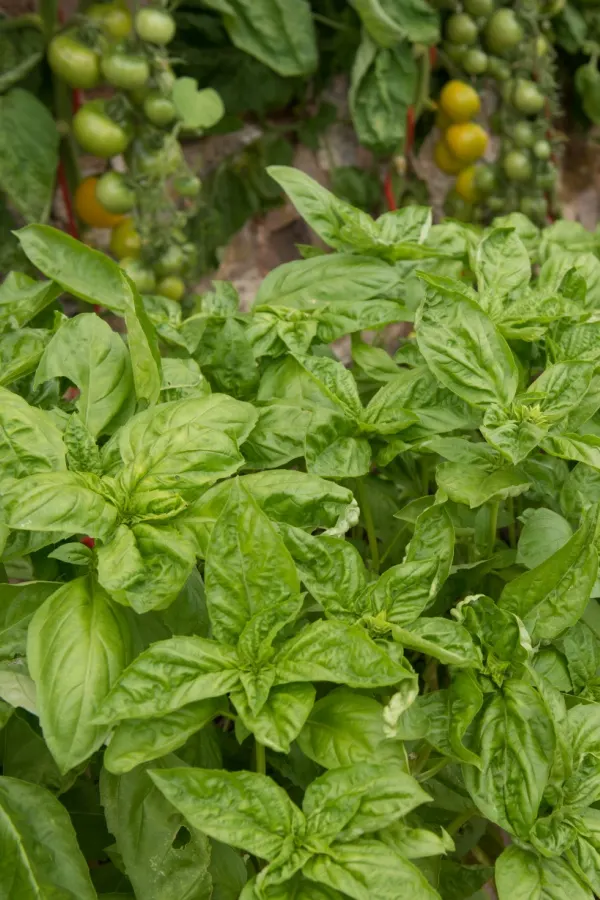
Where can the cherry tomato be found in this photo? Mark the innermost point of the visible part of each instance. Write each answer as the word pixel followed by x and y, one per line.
pixel 467 141
pixel 503 32
pixel 97 133
pixel 142 277
pixel 159 109
pixel 547 179
pixel 459 101
pixel 542 150
pixel 498 68
pixel 485 179
pixel 115 20
pixel 113 194
pixel 171 261
pixel 466 186
pixel 534 207
pixel 475 62
pixel 125 240
pixel 444 159
pixel 127 71
pixel 527 97
pixel 155 26
pixel 523 134
pixel 517 166
pixel 73 61
pixel 455 52
pixel 461 29
pixel 164 160
pixel 479 7
pixel 172 287
pixel 89 209
pixel 187 185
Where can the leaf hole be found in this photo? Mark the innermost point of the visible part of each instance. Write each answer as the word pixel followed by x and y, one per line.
pixel 182 838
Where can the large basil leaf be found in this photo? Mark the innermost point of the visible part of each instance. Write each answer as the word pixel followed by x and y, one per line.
pixel 145 826
pixel 521 875
pixel 282 716
pixel 30 442
pixel 22 298
pixel 18 603
pixel 39 853
pixel 244 809
pixel 91 355
pixel 247 566
pixel 388 22
pixel 78 623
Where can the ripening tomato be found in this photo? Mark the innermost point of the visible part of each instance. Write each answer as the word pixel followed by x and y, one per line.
pixel 74 61
pixel 142 277
pixel 125 240
pixel 172 287
pixel 114 19
pixel 113 194
pixel 459 101
pixel 466 141
pixel 155 26
pixel 89 209
pixel 461 29
pixel 444 159
pixel 128 71
pixel 159 109
pixel 466 186
pixel 97 133
pixel 503 32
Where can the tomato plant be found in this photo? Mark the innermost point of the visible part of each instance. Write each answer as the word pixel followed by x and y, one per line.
pixel 97 133
pixel 73 61
pixel 90 208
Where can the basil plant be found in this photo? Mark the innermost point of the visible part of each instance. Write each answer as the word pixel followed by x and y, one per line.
pixel 286 616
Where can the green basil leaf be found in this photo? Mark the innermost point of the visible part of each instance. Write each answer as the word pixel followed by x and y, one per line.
pixel 244 809
pixel 33 819
pixel 30 442
pixel 281 718
pixel 521 875
pixel 18 603
pixel 79 623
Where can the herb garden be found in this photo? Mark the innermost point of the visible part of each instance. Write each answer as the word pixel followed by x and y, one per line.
pixel 298 597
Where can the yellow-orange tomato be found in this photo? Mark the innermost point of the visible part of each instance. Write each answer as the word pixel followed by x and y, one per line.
pixel 445 161
pixel 89 210
pixel 466 186
pixel 466 142
pixel 459 101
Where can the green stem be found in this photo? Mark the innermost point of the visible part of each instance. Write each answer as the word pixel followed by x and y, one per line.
pixel 512 527
pixel 460 820
pixel 330 22
pixel 493 525
pixel 424 84
pixel 421 759
pixel 369 524
pixel 261 758
pixel 481 856
pixel 433 770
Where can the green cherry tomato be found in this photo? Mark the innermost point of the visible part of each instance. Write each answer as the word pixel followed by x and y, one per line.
pixel 115 20
pixel 461 29
pixel 172 287
pixel 479 7
pixel 171 262
pixel 113 194
pixel 534 207
pixel 127 71
pixel 517 166
pixel 485 179
pixel 523 134
pixel 455 52
pixel 159 109
pixel 142 277
pixel 542 150
pixel 527 97
pixel 475 62
pixel 162 161
pixel 125 242
pixel 187 185
pixel 503 32
pixel 73 61
pixel 97 133
pixel 546 180
pixel 155 26
pixel 498 68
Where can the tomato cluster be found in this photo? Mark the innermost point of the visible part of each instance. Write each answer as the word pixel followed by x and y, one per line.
pixel 139 121
pixel 505 47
